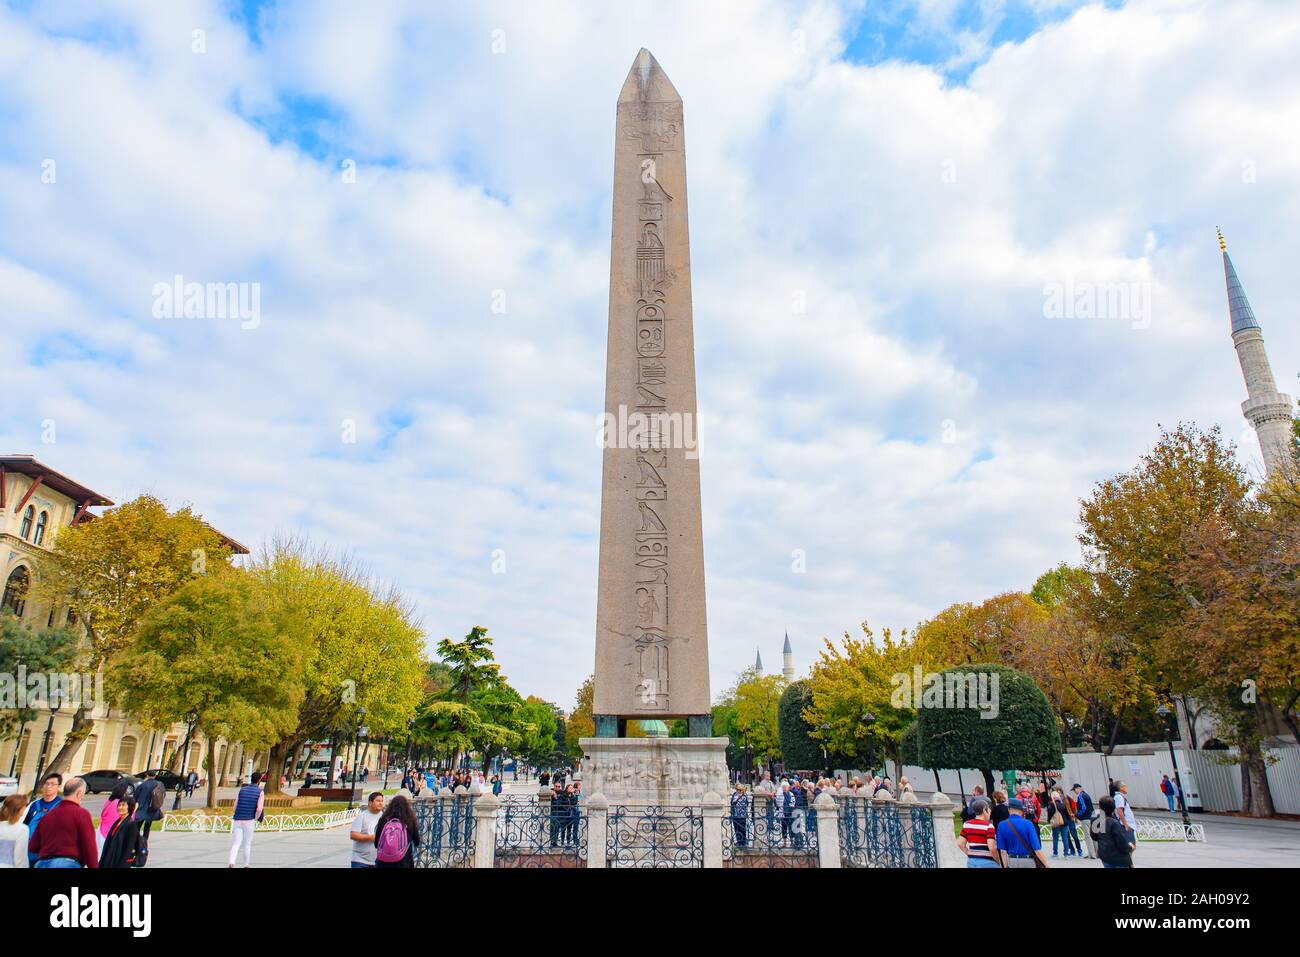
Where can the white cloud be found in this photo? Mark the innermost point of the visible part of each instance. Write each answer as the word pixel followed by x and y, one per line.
pixel 918 219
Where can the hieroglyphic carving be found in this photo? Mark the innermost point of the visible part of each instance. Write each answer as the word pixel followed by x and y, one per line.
pixel 657 125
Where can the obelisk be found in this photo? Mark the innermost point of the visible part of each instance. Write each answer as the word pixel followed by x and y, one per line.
pixel 652 659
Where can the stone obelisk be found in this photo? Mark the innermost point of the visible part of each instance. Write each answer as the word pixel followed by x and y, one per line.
pixel 652 660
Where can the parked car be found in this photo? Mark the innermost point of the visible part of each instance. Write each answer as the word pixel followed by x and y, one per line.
pixel 170 779
pixel 8 785
pixel 97 781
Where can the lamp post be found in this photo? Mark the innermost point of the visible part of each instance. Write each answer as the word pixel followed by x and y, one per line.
pixel 869 719
pixel 356 748
pixel 55 702
pixel 1164 713
pixel 825 760
pixel 13 759
pixel 192 718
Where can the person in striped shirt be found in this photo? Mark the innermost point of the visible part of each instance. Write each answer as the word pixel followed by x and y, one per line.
pixel 977 839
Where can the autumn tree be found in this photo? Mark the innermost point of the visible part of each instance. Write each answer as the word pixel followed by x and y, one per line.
pixel 853 691
pixel 1144 533
pixel 364 647
pixel 1090 678
pixel 580 723
pixel 113 571
pixel 1241 634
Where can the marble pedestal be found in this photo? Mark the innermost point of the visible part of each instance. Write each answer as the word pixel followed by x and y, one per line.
pixel 654 771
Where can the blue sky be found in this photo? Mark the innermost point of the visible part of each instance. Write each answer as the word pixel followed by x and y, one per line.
pixel 882 195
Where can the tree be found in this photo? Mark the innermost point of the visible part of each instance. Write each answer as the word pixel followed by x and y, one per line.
pixel 991 632
pixel 853 692
pixel 1242 633
pixel 799 749
pixel 215 656
pixel 581 724
pixel 755 716
pixel 113 570
pixel 478 710
pixel 364 647
pixel 1057 586
pixel 35 652
pixel 1144 533
pixel 1022 734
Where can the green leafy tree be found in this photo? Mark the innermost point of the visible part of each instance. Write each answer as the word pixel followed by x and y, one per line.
pixel 365 648
pixel 38 651
pixel 215 656
pixel 800 750
pixel 755 719
pixel 1023 734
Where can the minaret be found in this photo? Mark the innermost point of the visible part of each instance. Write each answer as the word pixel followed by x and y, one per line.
pixel 758 663
pixel 787 659
pixel 1268 411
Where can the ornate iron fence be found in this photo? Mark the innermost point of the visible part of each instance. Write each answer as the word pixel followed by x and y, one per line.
pixel 532 833
pixel 220 823
pixel 446 831
pixel 757 832
pixel 654 837
pixel 886 834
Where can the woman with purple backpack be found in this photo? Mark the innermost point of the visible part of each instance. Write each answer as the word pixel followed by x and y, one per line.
pixel 397 835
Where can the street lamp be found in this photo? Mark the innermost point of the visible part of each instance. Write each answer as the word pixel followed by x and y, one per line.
pixel 869 719
pixel 356 749
pixel 825 759
pixel 1164 714
pixel 55 702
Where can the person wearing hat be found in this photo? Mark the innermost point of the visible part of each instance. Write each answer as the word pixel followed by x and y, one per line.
pixel 1017 839
pixel 1084 811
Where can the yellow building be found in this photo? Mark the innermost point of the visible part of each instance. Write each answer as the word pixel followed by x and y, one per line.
pixel 35 502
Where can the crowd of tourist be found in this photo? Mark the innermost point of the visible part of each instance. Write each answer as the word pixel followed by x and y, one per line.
pixel 998 830
pixel 1001 831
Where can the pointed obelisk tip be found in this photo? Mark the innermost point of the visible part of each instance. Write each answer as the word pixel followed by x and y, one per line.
pixel 1223 245
pixel 647 80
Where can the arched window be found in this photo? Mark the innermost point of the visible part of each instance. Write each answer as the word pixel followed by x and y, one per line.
pixel 41 522
pixel 28 517
pixel 15 597
pixel 88 759
pixel 126 754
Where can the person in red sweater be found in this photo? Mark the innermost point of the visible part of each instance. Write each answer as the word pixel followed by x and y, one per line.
pixel 66 837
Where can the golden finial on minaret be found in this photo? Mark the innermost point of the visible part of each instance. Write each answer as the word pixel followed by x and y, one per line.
pixel 1223 245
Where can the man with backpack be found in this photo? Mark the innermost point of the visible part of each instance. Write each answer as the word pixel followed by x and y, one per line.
pixel 149 797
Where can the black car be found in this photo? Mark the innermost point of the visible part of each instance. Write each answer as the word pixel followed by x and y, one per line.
pixel 170 779
pixel 97 781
